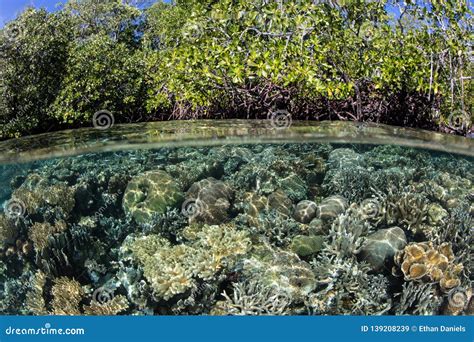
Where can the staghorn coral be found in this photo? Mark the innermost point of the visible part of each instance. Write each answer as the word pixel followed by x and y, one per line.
pixel 347 233
pixel 425 262
pixel 346 285
pixel 67 295
pixel 277 228
pixel 253 298
pixel 111 307
pixel 418 299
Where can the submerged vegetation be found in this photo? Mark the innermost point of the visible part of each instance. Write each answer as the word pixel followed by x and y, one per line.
pixel 239 230
pixel 405 63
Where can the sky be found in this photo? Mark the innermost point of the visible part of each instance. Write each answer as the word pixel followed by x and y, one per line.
pixel 9 9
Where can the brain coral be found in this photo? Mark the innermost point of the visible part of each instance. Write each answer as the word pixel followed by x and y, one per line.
pixel 424 261
pixel 150 193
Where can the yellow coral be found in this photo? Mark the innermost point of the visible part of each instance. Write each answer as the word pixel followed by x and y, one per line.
pixel 67 294
pixel 165 267
pixel 35 193
pixel 112 307
pixel 172 269
pixel 424 261
pixel 34 298
pixel 40 232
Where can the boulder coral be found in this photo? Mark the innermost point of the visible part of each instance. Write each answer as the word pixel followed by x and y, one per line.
pixel 151 193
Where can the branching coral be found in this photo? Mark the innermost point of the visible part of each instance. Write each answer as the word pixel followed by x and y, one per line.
pixel 252 298
pixel 40 232
pixel 67 294
pixel 172 269
pixel 346 287
pixel 418 299
pixel 425 262
pixel 111 307
pixel 35 302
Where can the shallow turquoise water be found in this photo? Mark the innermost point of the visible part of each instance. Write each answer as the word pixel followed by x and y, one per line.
pixel 256 225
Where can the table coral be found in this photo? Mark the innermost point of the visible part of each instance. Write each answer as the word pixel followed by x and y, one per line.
pixel 425 262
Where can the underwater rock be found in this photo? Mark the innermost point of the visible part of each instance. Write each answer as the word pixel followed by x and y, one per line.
pixel 331 207
pixel 304 245
pixel 208 201
pixel 382 246
pixel 427 262
pixel 280 201
pixel 305 211
pixel 150 193
pixel 316 227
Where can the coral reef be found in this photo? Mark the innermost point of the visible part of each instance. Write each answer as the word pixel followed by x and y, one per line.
pixel 111 307
pixel 67 294
pixel 306 245
pixel 263 229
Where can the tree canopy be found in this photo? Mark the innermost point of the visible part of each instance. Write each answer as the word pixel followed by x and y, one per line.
pixel 397 62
